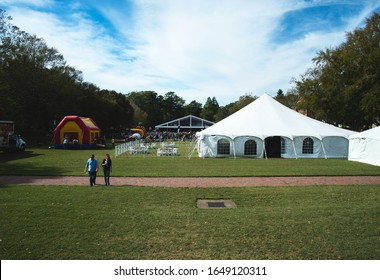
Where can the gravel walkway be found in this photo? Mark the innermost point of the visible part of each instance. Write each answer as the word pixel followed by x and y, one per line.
pixel 193 181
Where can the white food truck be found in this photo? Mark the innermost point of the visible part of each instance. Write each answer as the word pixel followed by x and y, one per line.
pixel 9 141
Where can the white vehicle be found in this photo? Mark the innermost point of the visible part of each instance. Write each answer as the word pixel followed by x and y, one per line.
pixel 8 140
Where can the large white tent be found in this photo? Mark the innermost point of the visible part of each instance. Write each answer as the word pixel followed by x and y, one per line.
pixel 365 146
pixel 266 128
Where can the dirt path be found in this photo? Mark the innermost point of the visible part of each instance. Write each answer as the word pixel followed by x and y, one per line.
pixel 194 181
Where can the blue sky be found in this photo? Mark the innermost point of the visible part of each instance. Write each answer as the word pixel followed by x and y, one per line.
pixel 198 48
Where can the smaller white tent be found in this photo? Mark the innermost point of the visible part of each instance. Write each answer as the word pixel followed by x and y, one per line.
pixel 365 146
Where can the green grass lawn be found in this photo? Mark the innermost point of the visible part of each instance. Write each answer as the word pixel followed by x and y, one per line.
pixel 72 222
pixel 77 222
pixel 43 161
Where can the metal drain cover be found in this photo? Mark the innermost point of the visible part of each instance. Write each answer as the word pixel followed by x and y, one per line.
pixel 215 203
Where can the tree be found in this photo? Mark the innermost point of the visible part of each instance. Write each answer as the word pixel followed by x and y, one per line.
pixel 172 106
pixel 193 108
pixel 290 99
pixel 28 68
pixel 210 109
pixel 344 86
pixel 149 107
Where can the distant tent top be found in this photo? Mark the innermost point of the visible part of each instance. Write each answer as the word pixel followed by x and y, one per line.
pixel 189 122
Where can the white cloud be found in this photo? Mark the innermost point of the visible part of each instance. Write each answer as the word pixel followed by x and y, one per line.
pixel 217 48
pixel 197 48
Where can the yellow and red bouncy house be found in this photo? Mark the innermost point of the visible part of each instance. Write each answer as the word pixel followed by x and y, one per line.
pixel 138 132
pixel 74 132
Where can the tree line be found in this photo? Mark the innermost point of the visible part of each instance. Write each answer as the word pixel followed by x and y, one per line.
pixel 38 88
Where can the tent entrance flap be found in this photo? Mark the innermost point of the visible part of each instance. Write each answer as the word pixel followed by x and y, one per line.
pixel 273 147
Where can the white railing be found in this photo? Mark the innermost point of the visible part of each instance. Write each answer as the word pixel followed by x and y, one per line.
pixel 126 147
pixel 138 147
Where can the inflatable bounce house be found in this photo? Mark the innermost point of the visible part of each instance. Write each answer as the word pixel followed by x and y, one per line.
pixel 75 132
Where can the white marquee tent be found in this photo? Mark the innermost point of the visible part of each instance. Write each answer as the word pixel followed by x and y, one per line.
pixel 189 122
pixel 266 128
pixel 365 146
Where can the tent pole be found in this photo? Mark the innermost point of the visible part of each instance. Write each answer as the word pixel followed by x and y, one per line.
pixel 265 150
pixel 197 145
pixel 233 146
pixel 323 148
pixel 294 148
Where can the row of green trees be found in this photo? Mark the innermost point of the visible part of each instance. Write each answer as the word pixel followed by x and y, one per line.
pixel 38 88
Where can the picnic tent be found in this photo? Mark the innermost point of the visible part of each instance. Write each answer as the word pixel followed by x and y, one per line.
pixel 77 130
pixel 187 123
pixel 266 128
pixel 365 146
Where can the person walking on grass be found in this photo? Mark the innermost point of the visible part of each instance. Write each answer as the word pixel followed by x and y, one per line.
pixel 91 167
pixel 107 168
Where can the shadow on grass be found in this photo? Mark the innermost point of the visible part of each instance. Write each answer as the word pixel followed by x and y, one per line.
pixel 21 164
pixel 23 180
pixel 10 156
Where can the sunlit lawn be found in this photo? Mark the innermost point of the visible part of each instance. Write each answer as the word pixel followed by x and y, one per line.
pixel 72 222
pixel 43 161
pixel 79 222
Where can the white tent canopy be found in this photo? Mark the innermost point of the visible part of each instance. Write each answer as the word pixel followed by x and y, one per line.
pixel 365 146
pixel 266 125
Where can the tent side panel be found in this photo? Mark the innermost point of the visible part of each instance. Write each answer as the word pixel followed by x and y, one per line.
pixel 336 147
pixel 364 150
pixel 332 147
pixel 239 144
pixel 316 152
pixel 207 146
pixel 287 150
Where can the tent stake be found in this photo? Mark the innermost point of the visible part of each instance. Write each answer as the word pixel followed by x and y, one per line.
pixel 233 146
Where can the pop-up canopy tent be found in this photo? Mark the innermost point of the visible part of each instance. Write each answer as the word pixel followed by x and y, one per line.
pixel 77 130
pixel 266 128
pixel 365 146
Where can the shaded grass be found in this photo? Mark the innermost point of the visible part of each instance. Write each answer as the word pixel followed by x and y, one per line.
pixel 71 222
pixel 68 162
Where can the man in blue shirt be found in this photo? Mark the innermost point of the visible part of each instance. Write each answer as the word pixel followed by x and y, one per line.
pixel 92 168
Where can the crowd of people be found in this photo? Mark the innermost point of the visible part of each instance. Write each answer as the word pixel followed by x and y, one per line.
pixel 160 136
